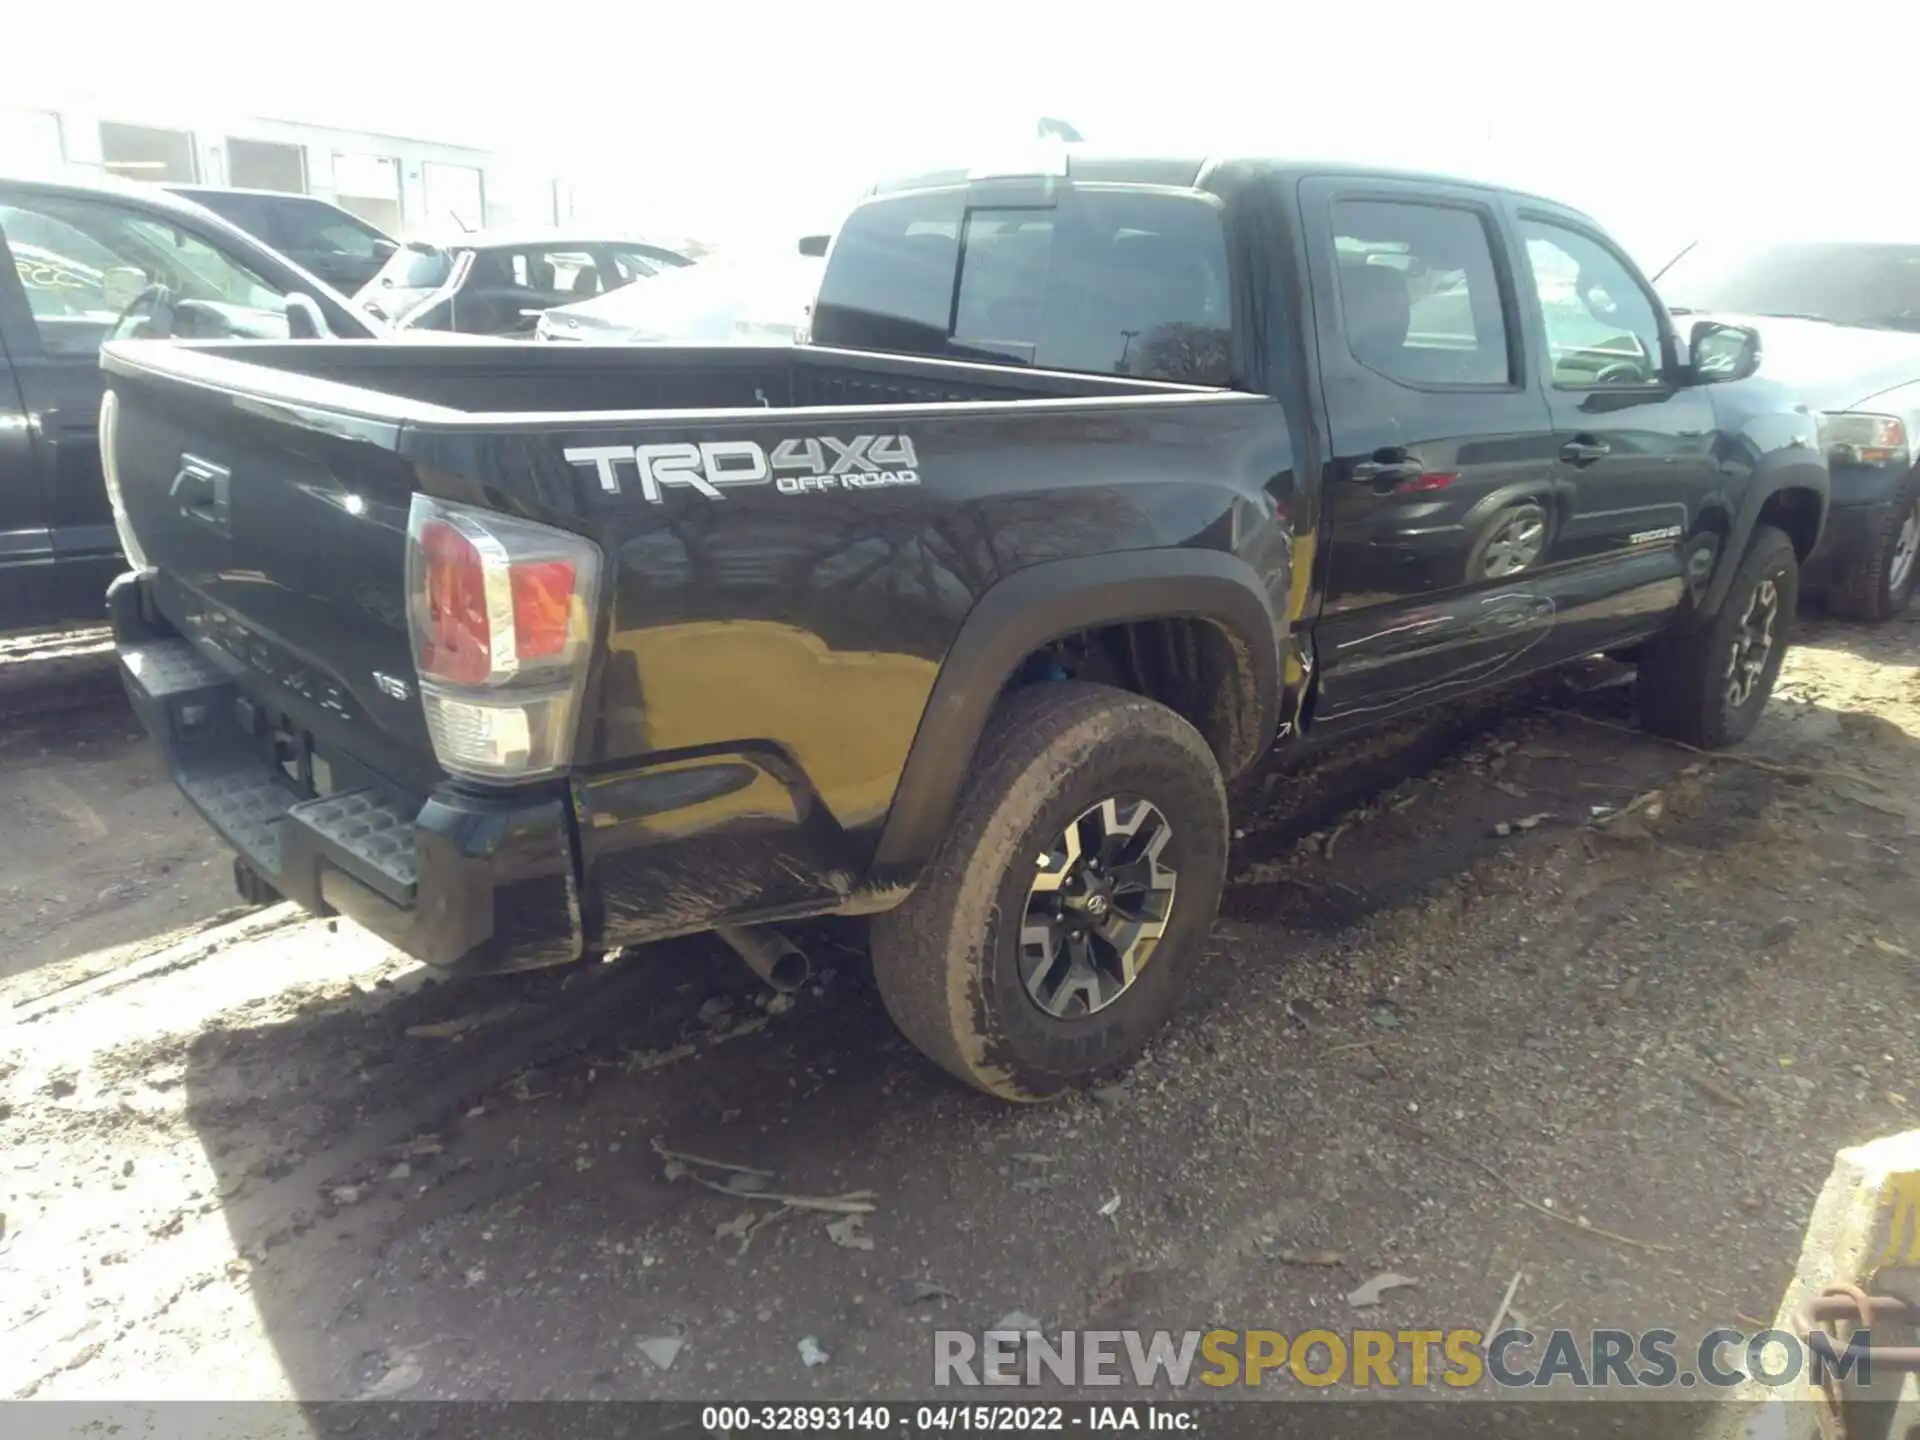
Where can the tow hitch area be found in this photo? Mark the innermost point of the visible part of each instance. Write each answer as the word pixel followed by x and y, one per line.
pixel 431 875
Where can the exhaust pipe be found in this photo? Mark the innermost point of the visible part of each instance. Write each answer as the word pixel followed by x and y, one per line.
pixel 769 954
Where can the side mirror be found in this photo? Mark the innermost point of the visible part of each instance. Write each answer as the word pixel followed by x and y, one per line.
pixel 814 246
pixel 1717 352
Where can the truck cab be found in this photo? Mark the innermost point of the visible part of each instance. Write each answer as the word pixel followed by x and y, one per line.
pixel 1506 453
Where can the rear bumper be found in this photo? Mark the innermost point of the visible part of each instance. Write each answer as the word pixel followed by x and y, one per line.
pixel 473 882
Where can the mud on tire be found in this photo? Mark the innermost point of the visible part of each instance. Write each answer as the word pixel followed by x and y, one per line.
pixel 962 965
pixel 1706 685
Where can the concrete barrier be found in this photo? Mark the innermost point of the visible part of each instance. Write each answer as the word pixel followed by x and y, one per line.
pixel 1864 1231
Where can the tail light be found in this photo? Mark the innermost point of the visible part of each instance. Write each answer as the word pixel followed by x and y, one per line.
pixel 500 612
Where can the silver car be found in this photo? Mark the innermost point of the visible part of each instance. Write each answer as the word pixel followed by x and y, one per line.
pixel 725 297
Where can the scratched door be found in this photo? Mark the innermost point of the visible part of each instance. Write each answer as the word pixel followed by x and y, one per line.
pixel 1443 490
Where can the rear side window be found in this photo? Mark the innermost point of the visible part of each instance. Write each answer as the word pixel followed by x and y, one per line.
pixel 1419 297
pixel 1106 282
pixel 312 225
pixel 293 223
pixel 556 272
pixel 252 213
pixel 330 234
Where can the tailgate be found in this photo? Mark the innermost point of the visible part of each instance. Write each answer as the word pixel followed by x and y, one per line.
pixel 275 532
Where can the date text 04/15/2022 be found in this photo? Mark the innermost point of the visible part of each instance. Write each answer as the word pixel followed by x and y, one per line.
pixel 947 1419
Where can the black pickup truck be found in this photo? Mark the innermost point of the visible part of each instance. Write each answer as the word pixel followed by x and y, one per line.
pixel 1085 489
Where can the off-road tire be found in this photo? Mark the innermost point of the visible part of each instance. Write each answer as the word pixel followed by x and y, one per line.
pixel 1861 591
pixel 947 960
pixel 1682 684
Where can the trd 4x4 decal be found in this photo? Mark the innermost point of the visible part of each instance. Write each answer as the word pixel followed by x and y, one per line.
pixel 794 467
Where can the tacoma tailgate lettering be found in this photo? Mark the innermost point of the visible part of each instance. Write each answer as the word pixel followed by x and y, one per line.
pixel 797 466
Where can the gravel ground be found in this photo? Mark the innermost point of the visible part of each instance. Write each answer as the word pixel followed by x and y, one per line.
pixel 246 1154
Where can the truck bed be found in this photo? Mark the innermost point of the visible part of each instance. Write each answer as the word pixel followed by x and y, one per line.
pixel 779 633
pixel 424 382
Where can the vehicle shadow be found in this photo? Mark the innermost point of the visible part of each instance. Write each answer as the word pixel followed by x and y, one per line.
pixel 567 1185
pixel 105 854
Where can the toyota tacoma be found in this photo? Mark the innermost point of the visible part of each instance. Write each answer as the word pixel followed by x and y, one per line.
pixel 1087 488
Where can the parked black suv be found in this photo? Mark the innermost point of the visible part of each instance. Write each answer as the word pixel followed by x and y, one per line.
pixel 1092 485
pixel 79 262
pixel 317 235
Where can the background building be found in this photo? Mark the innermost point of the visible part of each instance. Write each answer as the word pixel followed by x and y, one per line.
pixel 400 183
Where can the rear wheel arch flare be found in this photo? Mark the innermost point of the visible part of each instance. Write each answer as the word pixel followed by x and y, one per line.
pixel 1212 602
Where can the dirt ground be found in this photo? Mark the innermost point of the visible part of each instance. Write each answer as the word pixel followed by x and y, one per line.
pixel 1612 1049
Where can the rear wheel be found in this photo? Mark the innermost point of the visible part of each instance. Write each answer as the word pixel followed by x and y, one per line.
pixel 1058 926
pixel 1877 585
pixel 1706 686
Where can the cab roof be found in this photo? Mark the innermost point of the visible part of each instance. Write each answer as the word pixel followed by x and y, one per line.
pixel 77 185
pixel 1184 170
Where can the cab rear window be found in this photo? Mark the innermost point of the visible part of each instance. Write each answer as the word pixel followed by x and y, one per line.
pixel 1106 282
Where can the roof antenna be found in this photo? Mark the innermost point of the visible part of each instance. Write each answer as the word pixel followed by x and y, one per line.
pixel 1676 259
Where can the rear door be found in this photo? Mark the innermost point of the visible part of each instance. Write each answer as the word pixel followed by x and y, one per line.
pixel 1443 488
pixel 25 543
pixel 59 294
pixel 1635 447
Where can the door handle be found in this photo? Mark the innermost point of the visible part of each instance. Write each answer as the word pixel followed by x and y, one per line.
pixel 201 488
pixel 1584 450
pixel 1386 469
